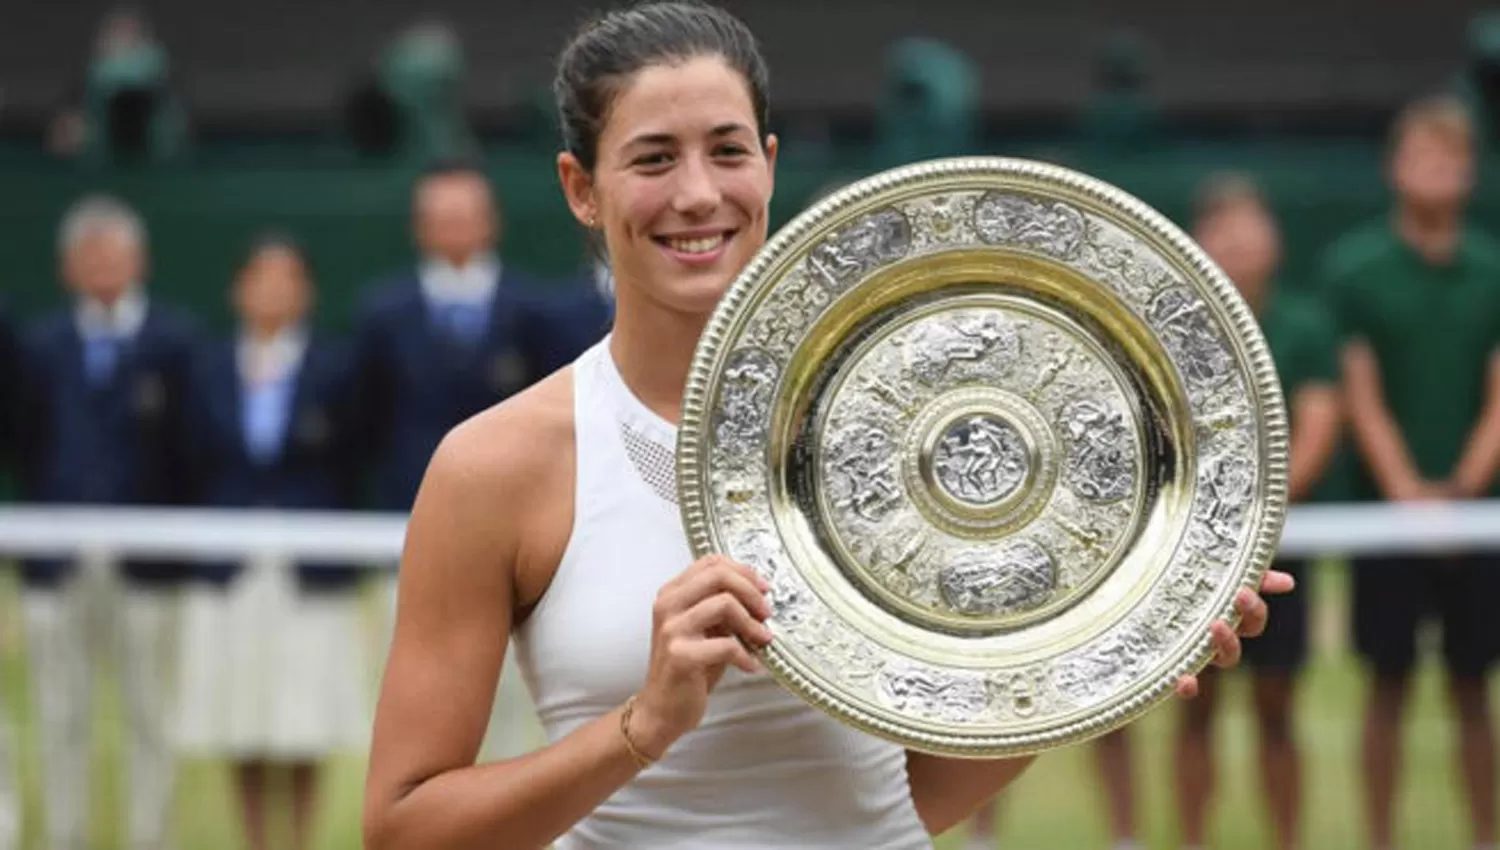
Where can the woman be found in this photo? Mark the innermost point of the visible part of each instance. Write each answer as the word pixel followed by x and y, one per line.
pixel 273 676
pixel 549 517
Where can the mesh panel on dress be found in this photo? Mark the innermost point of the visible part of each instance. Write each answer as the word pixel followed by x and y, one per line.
pixel 656 463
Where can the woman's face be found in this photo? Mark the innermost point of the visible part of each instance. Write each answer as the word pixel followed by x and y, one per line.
pixel 273 290
pixel 681 184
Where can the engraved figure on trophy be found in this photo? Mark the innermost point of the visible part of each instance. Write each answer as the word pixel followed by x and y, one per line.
pixel 986 581
pixel 761 548
pixel 1010 219
pixel 876 239
pixel 862 476
pixel 744 407
pixel 936 346
pixel 1101 456
pixel 981 459
pixel 1227 483
pixel 1188 330
pixel 932 693
pixel 1092 673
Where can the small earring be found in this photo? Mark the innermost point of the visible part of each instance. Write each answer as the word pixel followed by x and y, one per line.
pixel 592 222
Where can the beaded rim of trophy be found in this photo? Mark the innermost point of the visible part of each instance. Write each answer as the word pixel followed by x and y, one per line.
pixel 1003 441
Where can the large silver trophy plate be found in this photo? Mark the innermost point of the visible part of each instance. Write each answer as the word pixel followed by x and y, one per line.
pixel 1003 441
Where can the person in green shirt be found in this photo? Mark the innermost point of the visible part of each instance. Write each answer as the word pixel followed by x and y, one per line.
pixel 1235 226
pixel 1417 298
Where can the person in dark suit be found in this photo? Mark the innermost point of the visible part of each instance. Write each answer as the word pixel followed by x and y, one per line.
pixel 580 315
pixel 438 344
pixel 273 668
pixel 103 386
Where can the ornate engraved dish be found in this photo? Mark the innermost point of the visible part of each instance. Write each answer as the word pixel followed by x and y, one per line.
pixel 1003 441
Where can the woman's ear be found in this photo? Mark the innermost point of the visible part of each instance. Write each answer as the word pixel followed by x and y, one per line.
pixel 772 146
pixel 578 188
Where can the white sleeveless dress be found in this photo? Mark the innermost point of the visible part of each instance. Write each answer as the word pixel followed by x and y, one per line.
pixel 764 769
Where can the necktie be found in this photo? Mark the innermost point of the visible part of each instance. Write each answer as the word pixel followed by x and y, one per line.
pixel 101 354
pixel 267 407
pixel 464 321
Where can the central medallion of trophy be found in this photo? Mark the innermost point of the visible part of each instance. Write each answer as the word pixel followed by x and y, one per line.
pixel 979 462
pixel 979 459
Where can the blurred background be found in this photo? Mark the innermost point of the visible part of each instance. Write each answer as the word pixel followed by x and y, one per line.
pixel 273 178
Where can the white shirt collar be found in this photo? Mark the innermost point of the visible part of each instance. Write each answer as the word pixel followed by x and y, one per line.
pixel 265 360
pixel 123 319
pixel 471 283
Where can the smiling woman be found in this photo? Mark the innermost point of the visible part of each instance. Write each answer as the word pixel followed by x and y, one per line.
pixel 551 519
pixel 679 180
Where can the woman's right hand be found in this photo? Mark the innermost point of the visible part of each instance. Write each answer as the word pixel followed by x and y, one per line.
pixel 704 620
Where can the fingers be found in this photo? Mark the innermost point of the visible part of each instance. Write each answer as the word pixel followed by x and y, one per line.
pixel 714 652
pixel 1226 644
pixel 1276 582
pixel 1253 613
pixel 710 576
pixel 1187 687
pixel 722 610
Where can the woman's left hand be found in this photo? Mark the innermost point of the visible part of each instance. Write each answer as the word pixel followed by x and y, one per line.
pixel 1253 616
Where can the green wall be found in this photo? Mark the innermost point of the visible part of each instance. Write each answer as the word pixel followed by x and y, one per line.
pixel 353 218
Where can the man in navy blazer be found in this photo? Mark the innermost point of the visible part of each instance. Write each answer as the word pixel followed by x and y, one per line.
pixel 439 344
pixel 103 387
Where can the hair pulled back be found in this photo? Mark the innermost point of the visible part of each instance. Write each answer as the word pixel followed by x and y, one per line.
pixel 603 55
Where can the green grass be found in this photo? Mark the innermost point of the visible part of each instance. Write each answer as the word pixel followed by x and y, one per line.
pixel 1058 803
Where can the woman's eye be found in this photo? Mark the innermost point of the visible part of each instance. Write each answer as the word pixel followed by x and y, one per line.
pixel 652 159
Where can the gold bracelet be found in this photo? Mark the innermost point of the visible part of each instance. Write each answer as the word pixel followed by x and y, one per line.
pixel 642 760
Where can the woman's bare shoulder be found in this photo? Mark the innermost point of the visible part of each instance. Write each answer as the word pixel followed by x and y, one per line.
pixel 521 441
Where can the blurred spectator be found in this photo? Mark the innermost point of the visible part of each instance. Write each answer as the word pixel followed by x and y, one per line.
pixel 412 103
pixel 1237 230
pixel 1120 114
pixel 10 372
pixel 1113 754
pixel 128 111
pixel 444 341
pixel 930 105
pixel 1479 84
pixel 104 388
pixel 578 315
pixel 271 426
pixel 1417 296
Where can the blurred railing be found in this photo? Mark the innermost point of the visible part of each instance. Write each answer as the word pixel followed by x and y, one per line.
pixel 376 539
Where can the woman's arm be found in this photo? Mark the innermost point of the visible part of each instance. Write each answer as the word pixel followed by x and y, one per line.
pixel 1315 436
pixel 454 620
pixel 464 560
pixel 1476 468
pixel 946 791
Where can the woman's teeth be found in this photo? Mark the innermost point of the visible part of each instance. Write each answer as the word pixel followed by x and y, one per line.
pixel 696 246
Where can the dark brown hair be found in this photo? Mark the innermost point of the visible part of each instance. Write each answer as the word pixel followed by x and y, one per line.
pixel 608 50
